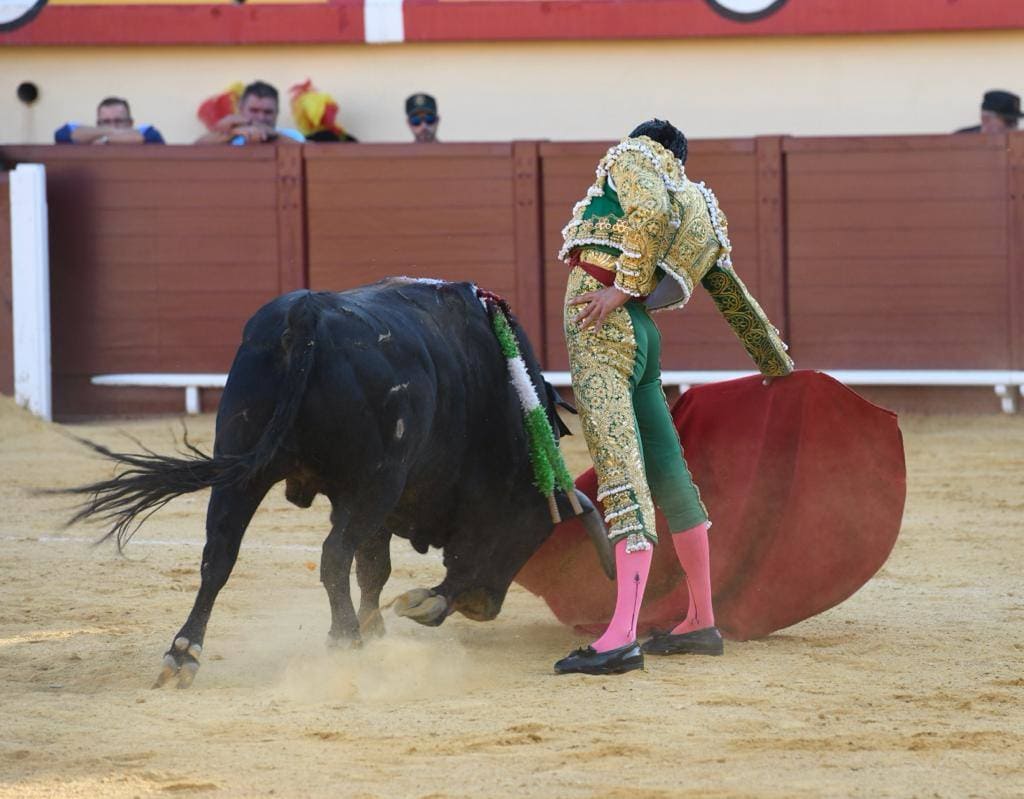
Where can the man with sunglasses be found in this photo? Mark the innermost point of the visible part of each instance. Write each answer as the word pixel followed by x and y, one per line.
pixel 421 114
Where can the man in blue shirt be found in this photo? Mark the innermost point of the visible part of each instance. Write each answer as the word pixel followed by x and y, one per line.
pixel 255 122
pixel 114 125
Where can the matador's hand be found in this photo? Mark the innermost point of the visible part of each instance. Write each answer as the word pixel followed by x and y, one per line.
pixel 599 305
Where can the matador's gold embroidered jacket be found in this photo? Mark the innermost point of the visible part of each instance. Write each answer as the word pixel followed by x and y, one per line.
pixel 661 233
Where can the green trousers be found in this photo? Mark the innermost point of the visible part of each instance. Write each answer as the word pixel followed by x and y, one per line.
pixel 616 377
pixel 668 476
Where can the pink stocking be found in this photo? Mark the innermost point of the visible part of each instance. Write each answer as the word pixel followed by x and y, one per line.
pixel 692 550
pixel 632 570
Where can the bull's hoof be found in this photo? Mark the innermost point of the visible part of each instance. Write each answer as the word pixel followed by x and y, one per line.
pixel 371 624
pixel 422 605
pixel 181 661
pixel 339 643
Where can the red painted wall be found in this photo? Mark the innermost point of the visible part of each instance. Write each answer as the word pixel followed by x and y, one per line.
pixel 492 20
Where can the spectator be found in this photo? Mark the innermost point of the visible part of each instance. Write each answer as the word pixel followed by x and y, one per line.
pixel 255 121
pixel 316 114
pixel 114 125
pixel 1000 113
pixel 421 114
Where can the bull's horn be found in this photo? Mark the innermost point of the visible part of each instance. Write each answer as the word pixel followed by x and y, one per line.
pixel 598 535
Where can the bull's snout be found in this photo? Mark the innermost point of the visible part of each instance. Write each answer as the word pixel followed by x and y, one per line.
pixel 422 605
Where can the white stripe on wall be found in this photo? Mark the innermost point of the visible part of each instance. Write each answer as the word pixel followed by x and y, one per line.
pixel 383 21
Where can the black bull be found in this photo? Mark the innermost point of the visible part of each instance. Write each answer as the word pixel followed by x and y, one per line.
pixel 393 401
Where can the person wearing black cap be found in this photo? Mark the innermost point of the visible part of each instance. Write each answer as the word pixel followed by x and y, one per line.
pixel 1000 113
pixel 422 117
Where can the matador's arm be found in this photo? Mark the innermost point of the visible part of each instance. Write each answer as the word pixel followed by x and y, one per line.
pixel 748 321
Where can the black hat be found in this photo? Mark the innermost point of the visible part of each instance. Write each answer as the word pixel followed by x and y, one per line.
pixel 420 102
pixel 1006 104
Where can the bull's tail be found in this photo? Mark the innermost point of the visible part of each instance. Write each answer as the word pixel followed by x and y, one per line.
pixel 148 481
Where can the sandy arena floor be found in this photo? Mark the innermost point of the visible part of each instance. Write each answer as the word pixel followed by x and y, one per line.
pixel 912 688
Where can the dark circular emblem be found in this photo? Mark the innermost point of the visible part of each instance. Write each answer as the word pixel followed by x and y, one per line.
pixel 746 10
pixel 15 13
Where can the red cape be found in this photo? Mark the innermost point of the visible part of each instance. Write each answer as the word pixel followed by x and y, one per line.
pixel 804 481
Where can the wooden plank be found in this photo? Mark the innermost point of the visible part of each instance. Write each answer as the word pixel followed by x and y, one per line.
pixel 158 171
pixel 896 186
pixel 176 306
pixel 129 195
pixel 883 299
pixel 416 244
pixel 771 232
pixel 897 272
pixel 500 281
pixel 910 243
pixel 183 222
pixel 529 296
pixel 217 278
pixel 357 172
pixel 1015 253
pixel 831 353
pixel 877 213
pixel 390 195
pixel 173 153
pixel 408 152
pixel 883 332
pixel 903 144
pixel 119 250
pixel 6 307
pixel 292 267
pixel 398 222
pixel 854 160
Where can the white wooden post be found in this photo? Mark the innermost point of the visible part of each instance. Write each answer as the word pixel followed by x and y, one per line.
pixel 30 289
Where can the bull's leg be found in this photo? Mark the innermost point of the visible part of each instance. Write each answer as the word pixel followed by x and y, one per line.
pixel 373 567
pixel 335 570
pixel 227 518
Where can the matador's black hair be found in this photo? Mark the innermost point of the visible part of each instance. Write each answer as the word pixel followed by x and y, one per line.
pixel 665 133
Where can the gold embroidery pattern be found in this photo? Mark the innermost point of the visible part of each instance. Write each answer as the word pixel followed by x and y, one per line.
pixel 648 209
pixel 748 321
pixel 601 364
pixel 605 260
pixel 695 247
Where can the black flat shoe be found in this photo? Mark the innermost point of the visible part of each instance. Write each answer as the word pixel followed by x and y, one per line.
pixel 699 642
pixel 589 661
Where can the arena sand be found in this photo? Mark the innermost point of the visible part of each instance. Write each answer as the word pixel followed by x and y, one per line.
pixel 913 687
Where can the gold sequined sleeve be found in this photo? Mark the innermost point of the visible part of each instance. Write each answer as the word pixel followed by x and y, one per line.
pixel 647 208
pixel 748 321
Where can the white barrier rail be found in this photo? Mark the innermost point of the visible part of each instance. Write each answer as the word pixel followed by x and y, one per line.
pixel 1008 385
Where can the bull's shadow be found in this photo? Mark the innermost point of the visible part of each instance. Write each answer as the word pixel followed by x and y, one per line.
pixel 392 400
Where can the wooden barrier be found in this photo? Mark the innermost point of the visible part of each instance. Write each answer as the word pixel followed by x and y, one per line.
pixel 869 253
pixel 457 212
pixel 898 252
pixel 158 255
